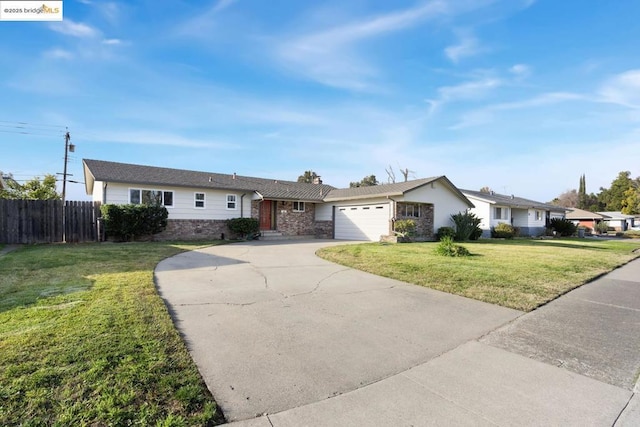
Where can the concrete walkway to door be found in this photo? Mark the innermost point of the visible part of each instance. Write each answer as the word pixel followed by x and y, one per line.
pixel 283 338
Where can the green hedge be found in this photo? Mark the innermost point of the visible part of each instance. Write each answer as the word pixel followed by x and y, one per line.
pixel 245 228
pixel 127 222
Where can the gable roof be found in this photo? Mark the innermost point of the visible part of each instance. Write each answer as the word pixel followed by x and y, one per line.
pixel 390 190
pixel 99 170
pixel 575 213
pixel 512 201
pixel 615 215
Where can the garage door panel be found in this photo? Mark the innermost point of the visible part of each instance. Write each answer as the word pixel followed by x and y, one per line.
pixel 362 222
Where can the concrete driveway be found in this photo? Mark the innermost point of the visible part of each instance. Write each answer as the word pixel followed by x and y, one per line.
pixel 273 327
pixel 283 338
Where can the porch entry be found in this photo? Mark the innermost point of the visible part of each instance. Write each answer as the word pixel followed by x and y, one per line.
pixel 268 209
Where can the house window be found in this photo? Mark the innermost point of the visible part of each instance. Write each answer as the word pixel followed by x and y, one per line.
pixel 198 200
pixel 409 210
pixel 231 201
pixel 298 206
pixel 501 213
pixel 538 216
pixel 150 197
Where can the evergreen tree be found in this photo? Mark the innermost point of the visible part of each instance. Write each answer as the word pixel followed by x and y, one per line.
pixel 582 193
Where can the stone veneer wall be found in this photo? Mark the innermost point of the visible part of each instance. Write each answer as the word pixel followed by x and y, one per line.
pixel 324 229
pixel 292 223
pixel 424 224
pixel 194 229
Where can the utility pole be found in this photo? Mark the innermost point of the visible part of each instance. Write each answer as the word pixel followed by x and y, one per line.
pixel 68 147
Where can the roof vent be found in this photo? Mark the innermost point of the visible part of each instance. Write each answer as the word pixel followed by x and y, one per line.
pixel 513 197
pixel 210 179
pixel 234 175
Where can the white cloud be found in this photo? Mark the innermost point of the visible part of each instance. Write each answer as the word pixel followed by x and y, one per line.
pixel 467 46
pixel 58 53
pixel 112 42
pixel 469 90
pixel 330 56
pixel 205 22
pixel 623 89
pixel 75 29
pixel 520 71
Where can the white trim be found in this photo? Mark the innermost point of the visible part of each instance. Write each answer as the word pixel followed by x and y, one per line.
pixel 298 210
pixel 141 189
pixel 196 200
pixel 235 202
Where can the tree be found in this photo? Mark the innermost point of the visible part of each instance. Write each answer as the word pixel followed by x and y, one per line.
pixel 367 181
pixel 308 177
pixel 486 189
pixel 611 199
pixel 568 199
pixel 582 193
pixel 631 202
pixel 33 189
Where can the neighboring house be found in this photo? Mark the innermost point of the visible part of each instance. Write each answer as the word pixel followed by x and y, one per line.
pixel 200 203
pixel 531 217
pixel 584 218
pixel 618 220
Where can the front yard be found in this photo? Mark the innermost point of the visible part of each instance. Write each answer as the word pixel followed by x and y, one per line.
pixel 520 274
pixel 86 340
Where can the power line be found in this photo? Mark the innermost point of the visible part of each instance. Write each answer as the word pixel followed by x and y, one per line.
pixel 32 124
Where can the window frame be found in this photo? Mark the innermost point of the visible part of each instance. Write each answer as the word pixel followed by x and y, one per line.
pixel 160 193
pixel 300 204
pixel 403 210
pixel 504 212
pixel 196 200
pixel 234 202
pixel 538 215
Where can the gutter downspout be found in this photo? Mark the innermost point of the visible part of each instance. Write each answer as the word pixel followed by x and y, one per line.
pixel 395 206
pixel 242 205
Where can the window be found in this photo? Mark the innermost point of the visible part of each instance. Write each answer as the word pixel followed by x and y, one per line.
pixel 231 201
pixel 199 200
pixel 298 206
pixel 409 210
pixel 538 216
pixel 150 197
pixel 501 213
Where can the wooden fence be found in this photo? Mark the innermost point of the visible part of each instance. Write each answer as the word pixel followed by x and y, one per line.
pixel 40 221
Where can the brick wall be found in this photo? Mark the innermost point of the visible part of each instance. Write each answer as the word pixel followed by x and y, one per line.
pixel 324 229
pixel 424 224
pixel 194 229
pixel 292 223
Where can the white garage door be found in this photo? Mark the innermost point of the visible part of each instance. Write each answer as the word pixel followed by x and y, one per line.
pixel 363 222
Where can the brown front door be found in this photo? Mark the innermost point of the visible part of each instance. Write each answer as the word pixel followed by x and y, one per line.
pixel 267 215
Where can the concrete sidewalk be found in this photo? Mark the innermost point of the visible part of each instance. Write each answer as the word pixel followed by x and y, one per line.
pixel 320 345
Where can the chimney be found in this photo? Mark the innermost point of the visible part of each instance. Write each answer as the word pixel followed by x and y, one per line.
pixel 317 180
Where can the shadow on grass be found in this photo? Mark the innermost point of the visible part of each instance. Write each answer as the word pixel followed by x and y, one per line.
pixel 38 272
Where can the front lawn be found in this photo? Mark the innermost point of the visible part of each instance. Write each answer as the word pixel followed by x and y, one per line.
pixel 86 340
pixel 521 274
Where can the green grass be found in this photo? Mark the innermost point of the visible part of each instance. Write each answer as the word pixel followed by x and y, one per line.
pixel 86 340
pixel 520 274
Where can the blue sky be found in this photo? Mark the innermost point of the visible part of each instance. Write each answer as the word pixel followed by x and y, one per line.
pixel 522 96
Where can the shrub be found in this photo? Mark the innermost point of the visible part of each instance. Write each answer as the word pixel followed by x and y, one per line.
pixel 467 226
pixel 244 227
pixel 602 227
pixel 127 222
pixel 444 232
pixel 405 227
pixel 503 231
pixel 563 227
pixel 633 234
pixel 447 247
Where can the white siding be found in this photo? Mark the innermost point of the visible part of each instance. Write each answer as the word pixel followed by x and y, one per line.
pixel 324 212
pixel 483 211
pixel 527 218
pixel 183 201
pixel 444 200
